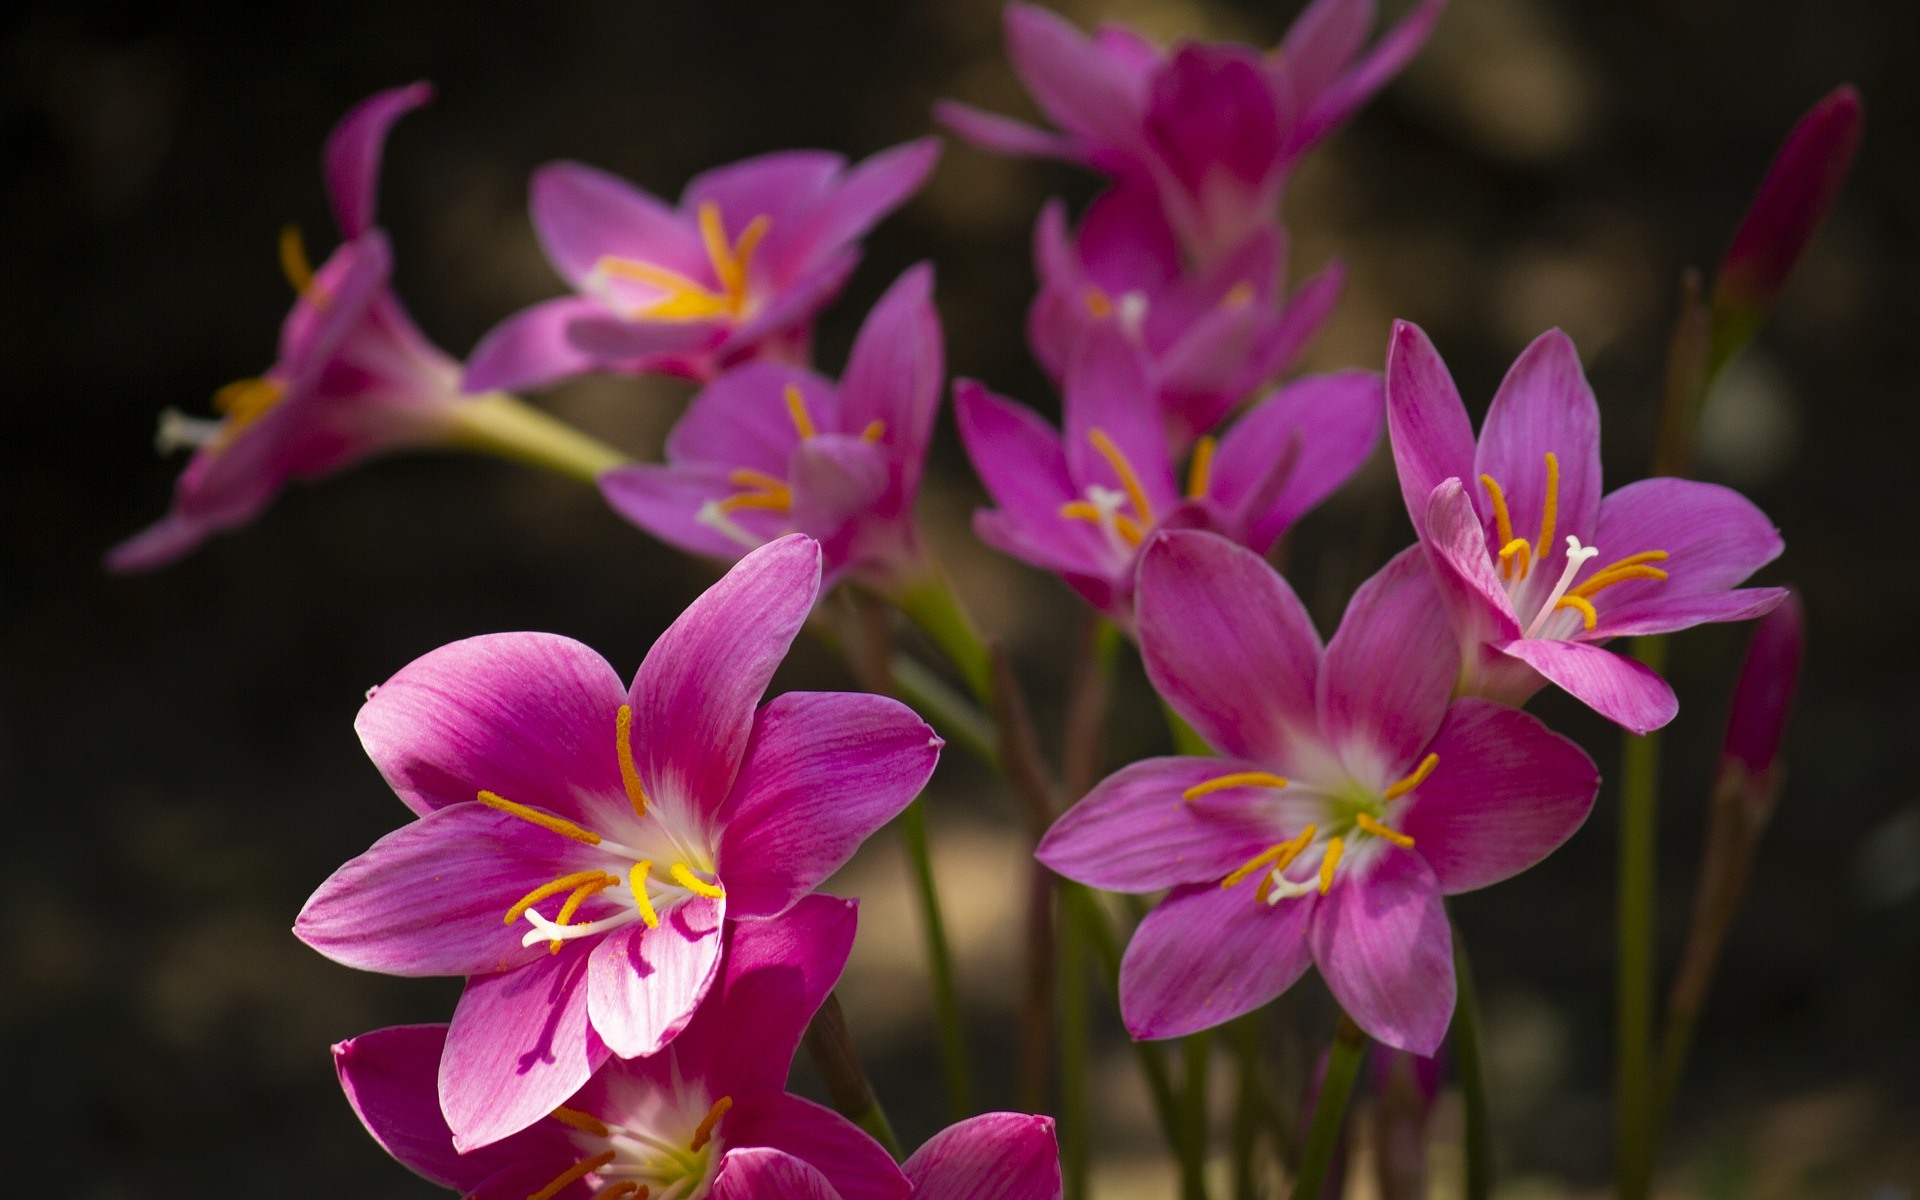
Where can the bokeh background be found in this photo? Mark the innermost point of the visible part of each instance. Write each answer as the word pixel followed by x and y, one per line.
pixel 177 763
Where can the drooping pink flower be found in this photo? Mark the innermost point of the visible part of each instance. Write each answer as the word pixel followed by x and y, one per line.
pixel 1213 129
pixel 996 1156
pixel 1350 795
pixel 1537 568
pixel 667 1125
pixel 737 272
pixel 768 449
pixel 354 378
pixel 1211 336
pixel 1083 504
pixel 579 843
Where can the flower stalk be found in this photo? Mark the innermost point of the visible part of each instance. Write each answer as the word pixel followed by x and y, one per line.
pixel 507 427
pixel 830 1044
pixel 1470 1059
pixel 1634 971
pixel 1330 1109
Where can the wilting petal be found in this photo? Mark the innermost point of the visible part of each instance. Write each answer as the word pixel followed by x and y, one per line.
pixel 669 503
pixel 1134 833
pixel 644 984
pixel 1506 793
pixel 756 1173
pixel 529 716
pixel 1625 692
pixel 895 373
pixel 1426 420
pixel 1208 954
pixel 824 772
pixel 853 1162
pixel 1545 405
pixel 351 159
pixel 583 214
pixel 1714 538
pixel 1228 645
pixel 532 348
pixel 1382 944
pixel 994 1156
pixel 1337 421
pixel 1389 671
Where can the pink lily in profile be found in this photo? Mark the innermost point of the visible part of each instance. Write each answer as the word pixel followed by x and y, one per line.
pixel 1537 568
pixel 769 449
pixel 737 272
pixel 579 843
pixel 1213 129
pixel 666 1126
pixel 996 1156
pixel 1351 794
pixel 1213 336
pixel 1082 505
pixel 355 377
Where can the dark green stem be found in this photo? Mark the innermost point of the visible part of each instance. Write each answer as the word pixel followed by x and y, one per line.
pixel 1470 1060
pixel 946 996
pixel 1330 1110
pixel 831 1047
pixel 1248 1105
pixel 931 605
pixel 1634 999
pixel 1075 1111
pixel 1198 1055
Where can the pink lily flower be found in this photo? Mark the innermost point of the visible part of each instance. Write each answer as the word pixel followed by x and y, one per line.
pixel 736 272
pixel 1082 505
pixel 1351 794
pixel 1212 337
pixel 996 1156
pixel 355 377
pixel 666 1126
pixel 1538 569
pixel 579 843
pixel 767 449
pixel 1213 130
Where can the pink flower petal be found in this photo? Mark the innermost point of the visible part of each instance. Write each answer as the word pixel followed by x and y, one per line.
pixel 532 348
pixel 1545 405
pixel 1208 954
pixel 756 1173
pixel 1001 135
pixel 1108 389
pixel 1426 420
pixel 1075 84
pixel 643 984
pixel 1382 943
pixel 668 501
pixel 895 374
pixel 852 1162
pixel 858 201
pixel 1714 538
pixel 1358 85
pixel 1337 420
pixel 839 486
pixel 1389 671
pixel 1456 546
pixel 351 159
pixel 994 1156
pixel 584 214
pixel 742 419
pixel 1618 688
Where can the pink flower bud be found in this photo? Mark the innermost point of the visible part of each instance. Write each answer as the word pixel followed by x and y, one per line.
pixel 1762 700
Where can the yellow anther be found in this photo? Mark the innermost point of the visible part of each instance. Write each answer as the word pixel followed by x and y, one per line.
pixel 1239 296
pixel 1551 508
pixel 779 501
pixel 1584 606
pixel 623 747
pixel 1414 780
pixel 566 883
pixel 684 876
pixel 544 820
pixel 797 409
pixel 243 402
pixel 1099 306
pixel 1634 566
pixel 295 266
pixel 875 430
pixel 1369 825
pixel 1335 847
pixel 683 299
pixel 713 233
pixel 1276 857
pixel 1080 510
pixel 703 1133
pixel 1519 551
pixel 1502 519
pixel 1117 459
pixel 759 481
pixel 1241 779
pixel 1129 529
pixel 637 880
pixel 585 1166
pixel 1200 470
pixel 584 1122
pixel 1125 526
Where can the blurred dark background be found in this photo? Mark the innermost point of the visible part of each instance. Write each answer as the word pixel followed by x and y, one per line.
pixel 177 763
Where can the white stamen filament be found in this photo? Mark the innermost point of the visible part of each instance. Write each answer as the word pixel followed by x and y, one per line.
pixel 715 517
pixel 1133 312
pixel 178 431
pixel 1577 556
pixel 1108 502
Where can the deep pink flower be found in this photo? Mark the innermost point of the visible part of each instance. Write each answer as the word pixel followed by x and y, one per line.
pixel 1762 701
pixel 579 842
pixel 1537 568
pixel 1213 129
pixel 1350 796
pixel 768 449
pixel 354 377
pixel 736 272
pixel 666 1125
pixel 996 1156
pixel 1212 336
pixel 1082 505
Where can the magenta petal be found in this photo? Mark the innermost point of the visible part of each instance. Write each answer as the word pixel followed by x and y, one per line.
pixel 1382 943
pixel 644 984
pixel 838 484
pixel 1714 538
pixel 694 696
pixel 1356 86
pixel 583 214
pixel 1662 615
pixel 1109 391
pixel 1321 42
pixel 1625 692
pixel 1208 954
pixel 1545 405
pixel 1456 543
pixel 1337 421
pixel 1002 135
pixel 742 419
pixel 824 772
pixel 853 1163
pixel 351 159
pixel 994 1156
pixel 429 898
pixel 533 348
pixel 1389 671
pixel 785 187
pixel 895 373
pixel 1426 420
pixel 1134 833
pixel 1018 458
pixel 529 716
pixel 1073 82
pixel 1508 791
pixel 756 1173
pixel 667 502
pixel 1228 645
pixel 855 204
pixel 519 1045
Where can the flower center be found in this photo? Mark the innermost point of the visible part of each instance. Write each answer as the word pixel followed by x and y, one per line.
pixel 1126 516
pixel 675 297
pixel 633 1162
pixel 761 492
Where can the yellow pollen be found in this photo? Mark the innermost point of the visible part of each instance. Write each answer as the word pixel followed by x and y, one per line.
pixel 875 430
pixel 1414 780
pixel 585 1166
pixel 1098 305
pixel 747 477
pixel 566 883
pixel 797 409
pixel 685 299
pixel 1378 830
pixel 1634 566
pixel 685 877
pixel 1502 519
pixel 574 901
pixel 543 820
pixel 1242 779
pixel 779 501
pixel 295 266
pixel 1335 847
pixel 629 774
pixel 1588 617
pixel 637 880
pixel 243 402
pixel 584 1122
pixel 1240 296
pixel 1515 556
pixel 703 1133
pixel 1550 509
pixel 1277 857
pixel 1125 526
pixel 1200 470
pixel 1136 494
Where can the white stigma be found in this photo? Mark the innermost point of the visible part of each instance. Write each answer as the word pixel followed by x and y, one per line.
pixel 1133 312
pixel 1577 556
pixel 178 431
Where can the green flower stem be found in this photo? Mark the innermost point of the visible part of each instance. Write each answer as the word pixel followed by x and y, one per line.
pixel 507 427
pixel 955 716
pixel 831 1047
pixel 1249 1107
pixel 1469 1059
pixel 931 605
pixel 1090 920
pixel 1075 1110
pixel 1197 1051
pixel 946 995
pixel 1330 1110
pixel 1634 973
